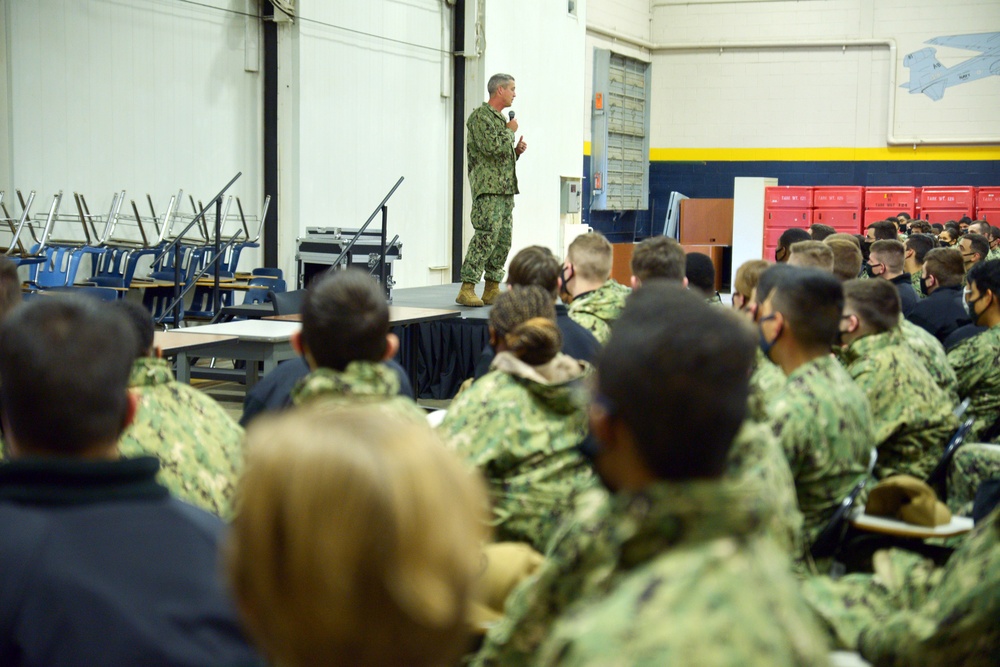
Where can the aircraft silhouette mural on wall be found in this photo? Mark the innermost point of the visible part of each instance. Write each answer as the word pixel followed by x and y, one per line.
pixel 930 77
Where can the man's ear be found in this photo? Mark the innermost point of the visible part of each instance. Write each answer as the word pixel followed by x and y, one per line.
pixel 391 346
pixel 493 337
pixel 602 425
pixel 297 343
pixel 635 282
pixel 156 352
pixel 685 282
pixel 131 409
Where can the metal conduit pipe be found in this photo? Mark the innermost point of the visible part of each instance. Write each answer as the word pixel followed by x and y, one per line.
pixel 891 138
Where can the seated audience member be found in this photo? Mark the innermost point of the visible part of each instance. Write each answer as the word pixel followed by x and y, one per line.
pixel 821 418
pixel 974 249
pixel 886 261
pixel 658 258
pixel 670 359
pixel 520 424
pixel 815 254
pixel 199 446
pixel 936 229
pixel 915 249
pixel 912 417
pixel 907 614
pixel 274 391
pixel 594 299
pixel 101 566
pixel 357 541
pixel 345 339
pixel 963 224
pixel 766 378
pixel 820 232
pixel 785 241
pixel 941 280
pixel 921 227
pixel 948 237
pixel 932 356
pixel 700 273
pixel 536 265
pixel 883 230
pixel 994 237
pixel 692 576
pixel 980 227
pixel 747 277
pixel 976 361
pixel 847 257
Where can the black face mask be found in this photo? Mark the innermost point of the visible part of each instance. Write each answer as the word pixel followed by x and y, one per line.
pixel 563 280
pixel 923 286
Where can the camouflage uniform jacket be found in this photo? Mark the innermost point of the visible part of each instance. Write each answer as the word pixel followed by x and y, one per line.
pixel 994 253
pixel 976 362
pixel 766 381
pixel 824 424
pixel 598 310
pixel 491 155
pixel 520 426
pixel 362 382
pixel 199 446
pixel 915 281
pixel 931 353
pixel 585 548
pixel 693 582
pixel 912 418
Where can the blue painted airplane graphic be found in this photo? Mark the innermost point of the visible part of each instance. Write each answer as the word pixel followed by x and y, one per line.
pixel 930 77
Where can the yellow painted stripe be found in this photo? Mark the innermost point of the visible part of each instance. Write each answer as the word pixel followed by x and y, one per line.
pixel 586 148
pixel 892 153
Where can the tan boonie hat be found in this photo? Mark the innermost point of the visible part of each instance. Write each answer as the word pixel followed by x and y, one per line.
pixel 908 499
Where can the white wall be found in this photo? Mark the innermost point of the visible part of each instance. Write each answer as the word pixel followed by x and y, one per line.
pixel 818 97
pixel 542 46
pixel 149 96
pixel 369 111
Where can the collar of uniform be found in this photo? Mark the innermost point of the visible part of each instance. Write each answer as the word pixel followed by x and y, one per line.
pixel 149 371
pixel 868 344
pixel 59 481
pixel 360 378
pixel 665 514
pixel 498 114
pixel 819 365
pixel 902 279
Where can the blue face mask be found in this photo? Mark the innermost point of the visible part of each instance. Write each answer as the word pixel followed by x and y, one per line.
pixel 765 345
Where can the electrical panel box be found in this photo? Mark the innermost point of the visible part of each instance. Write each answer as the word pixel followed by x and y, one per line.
pixel 570 195
pixel 619 156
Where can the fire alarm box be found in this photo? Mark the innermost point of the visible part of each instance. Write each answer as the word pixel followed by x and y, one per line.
pixel 571 194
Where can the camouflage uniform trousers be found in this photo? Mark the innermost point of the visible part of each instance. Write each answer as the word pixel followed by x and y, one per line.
pixel 972 465
pixel 492 218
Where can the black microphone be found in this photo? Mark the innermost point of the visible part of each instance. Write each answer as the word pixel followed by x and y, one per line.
pixel 510 115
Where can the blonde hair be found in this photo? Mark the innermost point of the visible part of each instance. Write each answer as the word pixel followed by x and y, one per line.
pixel 591 255
pixel 356 541
pixel 811 254
pixel 748 275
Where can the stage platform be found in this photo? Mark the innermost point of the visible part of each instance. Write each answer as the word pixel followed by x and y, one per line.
pixel 444 352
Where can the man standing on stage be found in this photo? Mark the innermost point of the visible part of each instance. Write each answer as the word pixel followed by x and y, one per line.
pixel 492 155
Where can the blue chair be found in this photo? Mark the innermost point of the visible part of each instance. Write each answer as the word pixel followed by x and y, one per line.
pixel 830 539
pixel 106 294
pixel 937 480
pixel 157 299
pixel 267 272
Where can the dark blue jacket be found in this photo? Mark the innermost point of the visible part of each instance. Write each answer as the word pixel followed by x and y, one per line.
pixel 100 566
pixel 941 313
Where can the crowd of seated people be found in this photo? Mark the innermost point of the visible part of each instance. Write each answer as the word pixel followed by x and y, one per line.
pixel 673 461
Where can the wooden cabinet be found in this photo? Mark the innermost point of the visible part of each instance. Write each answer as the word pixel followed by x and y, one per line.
pixel 706 222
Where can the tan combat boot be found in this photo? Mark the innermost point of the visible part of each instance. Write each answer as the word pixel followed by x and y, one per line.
pixel 491 292
pixel 467 296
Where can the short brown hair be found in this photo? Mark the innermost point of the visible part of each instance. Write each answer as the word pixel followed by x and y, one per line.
pixel 535 265
pixel 843 236
pixel 890 253
pixel 356 540
pixel 748 275
pixel 811 253
pixel 591 256
pixel 658 257
pixel 946 265
pixel 525 319
pixel 876 303
pixel 847 258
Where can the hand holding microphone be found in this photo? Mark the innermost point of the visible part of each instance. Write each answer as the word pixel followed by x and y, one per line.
pixel 511 124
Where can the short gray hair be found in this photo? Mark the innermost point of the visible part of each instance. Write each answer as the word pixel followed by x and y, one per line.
pixel 497 81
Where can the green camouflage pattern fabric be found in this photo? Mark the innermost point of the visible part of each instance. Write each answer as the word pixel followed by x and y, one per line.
pixel 931 353
pixel 520 426
pixel 199 446
pixel 585 549
pixel 824 424
pixel 915 281
pixel 361 383
pixel 598 310
pixel 766 381
pixel 976 362
pixel 914 615
pixel 972 464
pixel 490 151
pixel 714 300
pixel 695 583
pixel 492 218
pixel 994 253
pixel 912 418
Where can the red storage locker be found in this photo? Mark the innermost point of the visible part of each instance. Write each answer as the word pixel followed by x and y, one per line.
pixel 782 196
pixel 899 199
pixel 787 217
pixel 874 215
pixel 949 198
pixel 842 197
pixel 942 215
pixel 847 218
pixel 990 215
pixel 988 198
